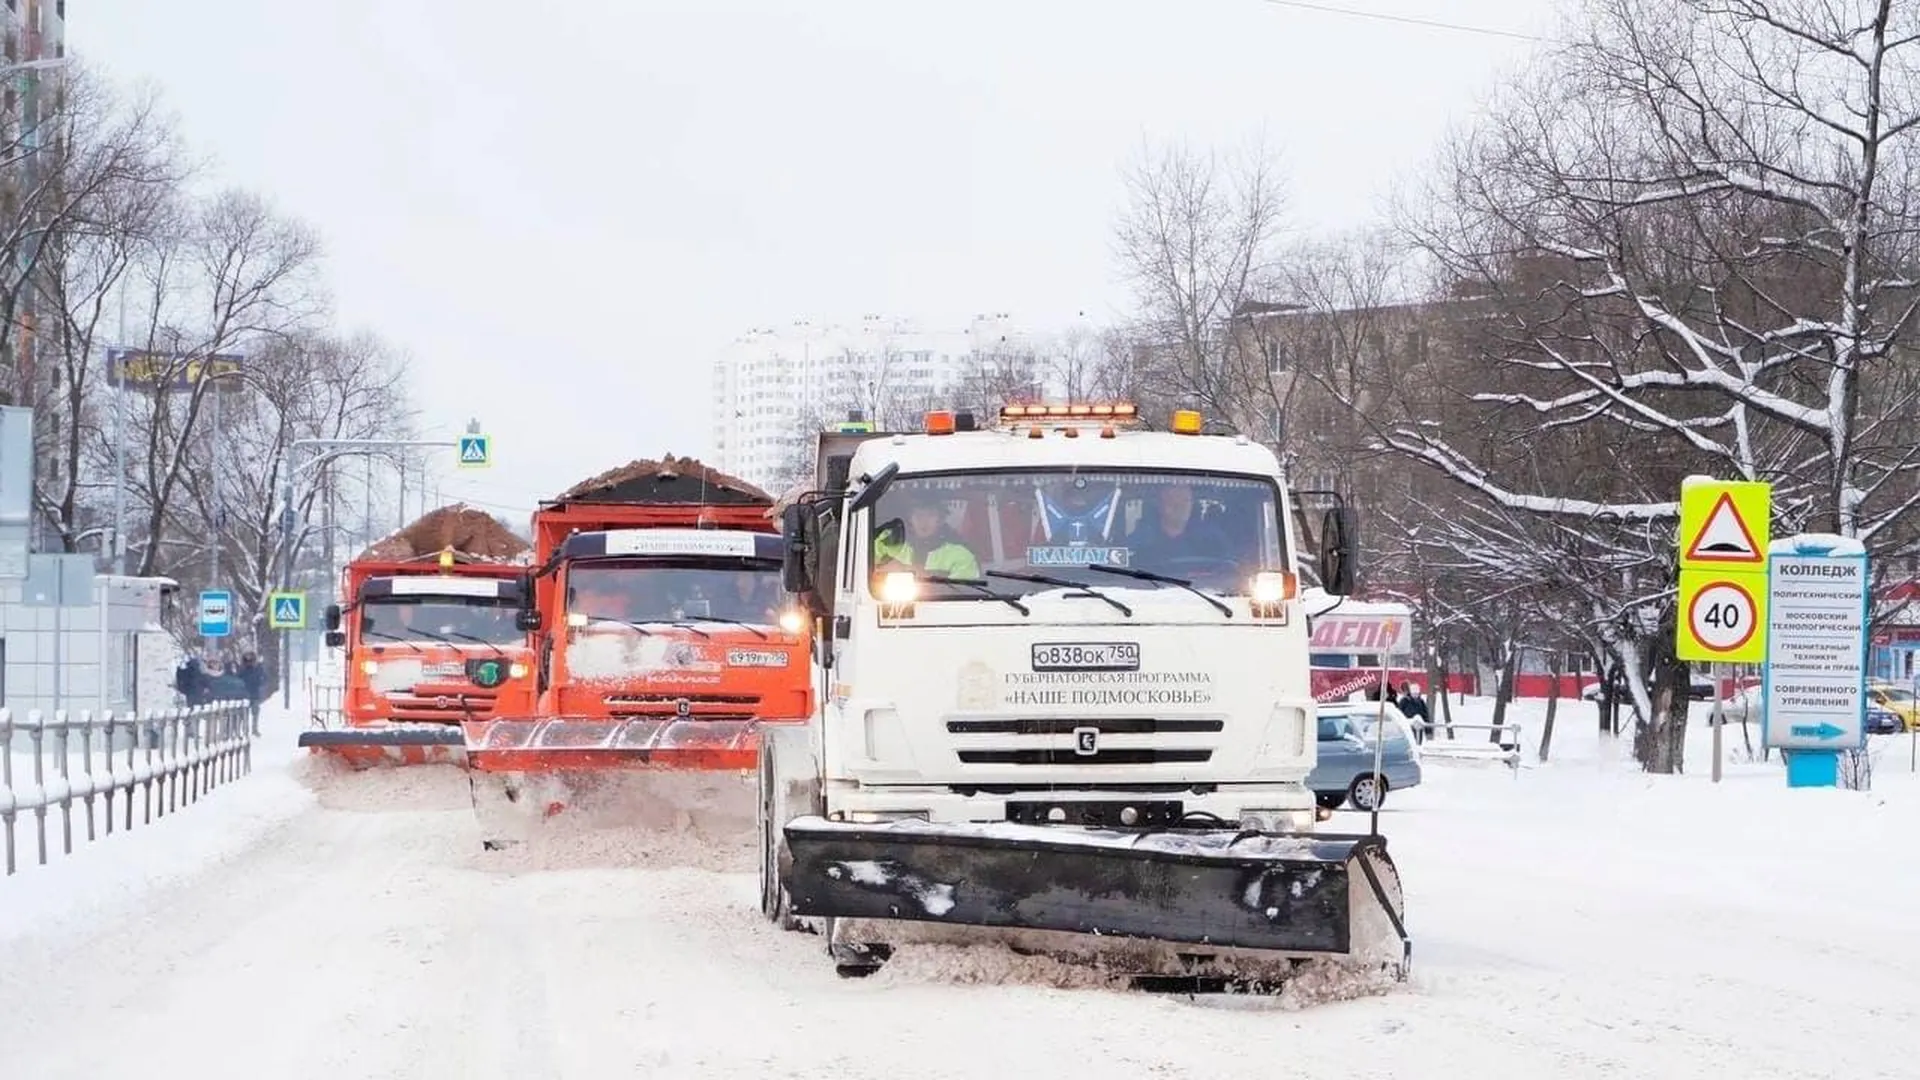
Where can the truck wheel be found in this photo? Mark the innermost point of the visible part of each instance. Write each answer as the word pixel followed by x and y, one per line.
pixel 1367 791
pixel 1329 800
pixel 778 805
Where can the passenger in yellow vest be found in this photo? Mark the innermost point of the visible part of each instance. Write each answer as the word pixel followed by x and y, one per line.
pixel 927 531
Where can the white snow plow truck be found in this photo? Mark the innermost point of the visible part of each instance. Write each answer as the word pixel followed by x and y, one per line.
pixel 1063 703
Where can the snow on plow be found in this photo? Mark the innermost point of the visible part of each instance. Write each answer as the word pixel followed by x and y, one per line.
pixel 647 773
pixel 1182 905
pixel 388 745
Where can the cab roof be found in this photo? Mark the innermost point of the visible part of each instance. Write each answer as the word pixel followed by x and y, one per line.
pixel 1013 448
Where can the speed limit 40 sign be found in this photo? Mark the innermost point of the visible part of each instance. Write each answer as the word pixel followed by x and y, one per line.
pixel 1722 616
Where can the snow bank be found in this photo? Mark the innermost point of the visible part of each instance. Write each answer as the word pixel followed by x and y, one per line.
pixel 72 893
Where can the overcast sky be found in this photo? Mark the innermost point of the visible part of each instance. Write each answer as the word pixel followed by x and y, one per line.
pixel 565 211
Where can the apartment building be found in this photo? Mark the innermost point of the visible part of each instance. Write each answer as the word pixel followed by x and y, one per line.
pixel 776 387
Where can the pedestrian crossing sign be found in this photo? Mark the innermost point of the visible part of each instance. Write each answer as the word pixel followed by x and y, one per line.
pixel 476 451
pixel 287 611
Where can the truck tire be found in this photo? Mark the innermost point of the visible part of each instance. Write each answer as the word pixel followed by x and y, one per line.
pixel 789 788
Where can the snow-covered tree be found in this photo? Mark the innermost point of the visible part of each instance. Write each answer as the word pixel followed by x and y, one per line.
pixel 1686 242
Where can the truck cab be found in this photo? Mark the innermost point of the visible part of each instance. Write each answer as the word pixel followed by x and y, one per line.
pixel 428 641
pixel 669 622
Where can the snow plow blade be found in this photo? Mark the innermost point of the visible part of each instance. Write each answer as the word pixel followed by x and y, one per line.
pixel 649 773
pixel 1300 896
pixel 393 745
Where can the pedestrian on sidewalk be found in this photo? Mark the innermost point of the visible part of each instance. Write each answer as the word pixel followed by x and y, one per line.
pixel 255 678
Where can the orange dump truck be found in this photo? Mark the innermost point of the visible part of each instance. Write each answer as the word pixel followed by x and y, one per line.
pixel 661 641
pixel 429 627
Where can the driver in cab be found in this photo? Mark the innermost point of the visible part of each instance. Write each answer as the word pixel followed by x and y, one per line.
pixel 928 546
pixel 1173 529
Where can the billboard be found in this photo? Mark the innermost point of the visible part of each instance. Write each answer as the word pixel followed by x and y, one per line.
pixel 173 372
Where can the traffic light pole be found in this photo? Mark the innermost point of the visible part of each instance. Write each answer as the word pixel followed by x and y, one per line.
pixel 326 450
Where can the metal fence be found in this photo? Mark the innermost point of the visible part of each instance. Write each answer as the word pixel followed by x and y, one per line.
pixel 1502 747
pixel 157 762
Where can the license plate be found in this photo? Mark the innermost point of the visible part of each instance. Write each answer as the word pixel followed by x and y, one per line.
pixel 1087 656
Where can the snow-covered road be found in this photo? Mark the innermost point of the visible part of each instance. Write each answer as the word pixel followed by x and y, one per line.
pixel 1579 921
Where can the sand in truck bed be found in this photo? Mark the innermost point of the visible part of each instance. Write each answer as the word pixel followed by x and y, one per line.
pixel 687 479
pixel 471 533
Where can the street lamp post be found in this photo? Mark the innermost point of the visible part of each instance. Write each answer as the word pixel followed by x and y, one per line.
pixel 330 449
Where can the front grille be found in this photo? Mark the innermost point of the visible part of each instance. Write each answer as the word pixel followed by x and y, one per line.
pixel 1069 756
pixel 433 707
pixel 1066 725
pixel 698 706
pixel 1036 740
pixel 697 699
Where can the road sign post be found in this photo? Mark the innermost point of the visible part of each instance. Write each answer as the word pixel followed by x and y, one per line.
pixel 1722 619
pixel 216 613
pixel 287 610
pixel 1815 686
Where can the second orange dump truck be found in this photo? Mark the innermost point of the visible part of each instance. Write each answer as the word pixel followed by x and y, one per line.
pixel 660 642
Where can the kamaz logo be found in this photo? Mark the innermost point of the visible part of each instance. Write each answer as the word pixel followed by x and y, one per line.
pixel 1086 741
pixel 683 707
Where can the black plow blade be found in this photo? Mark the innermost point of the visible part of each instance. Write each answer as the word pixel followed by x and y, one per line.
pixel 1217 889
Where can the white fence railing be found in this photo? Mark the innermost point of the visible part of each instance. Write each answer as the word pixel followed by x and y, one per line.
pixel 162 761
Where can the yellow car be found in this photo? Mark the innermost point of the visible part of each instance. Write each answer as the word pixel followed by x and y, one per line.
pixel 1897 700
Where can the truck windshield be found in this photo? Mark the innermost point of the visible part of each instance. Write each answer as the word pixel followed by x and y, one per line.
pixel 444 620
pixel 656 590
pixel 1212 529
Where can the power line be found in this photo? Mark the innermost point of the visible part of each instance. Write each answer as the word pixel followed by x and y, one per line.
pixel 1409 20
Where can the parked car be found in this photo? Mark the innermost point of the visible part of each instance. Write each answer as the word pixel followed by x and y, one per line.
pixel 1749 705
pixel 1897 700
pixel 1699 688
pixel 1345 773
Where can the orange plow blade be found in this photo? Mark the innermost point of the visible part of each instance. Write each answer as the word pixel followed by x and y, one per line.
pixel 655 775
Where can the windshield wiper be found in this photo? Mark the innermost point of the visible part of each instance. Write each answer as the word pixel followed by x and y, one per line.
pixel 1148 575
pixel 1085 590
pixel 735 622
pixel 628 623
pixel 682 624
pixel 986 590
pixel 383 635
pixel 480 640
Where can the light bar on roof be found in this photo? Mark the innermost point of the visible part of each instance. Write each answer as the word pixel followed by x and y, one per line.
pixel 1071 411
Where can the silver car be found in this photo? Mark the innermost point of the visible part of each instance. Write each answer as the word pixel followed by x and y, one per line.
pixel 1345 773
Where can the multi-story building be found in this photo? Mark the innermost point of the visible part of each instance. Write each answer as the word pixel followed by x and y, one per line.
pixel 775 388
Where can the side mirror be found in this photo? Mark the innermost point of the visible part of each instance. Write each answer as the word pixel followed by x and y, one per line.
pixel 1339 551
pixel 336 639
pixel 333 617
pixel 799 526
pixel 526 620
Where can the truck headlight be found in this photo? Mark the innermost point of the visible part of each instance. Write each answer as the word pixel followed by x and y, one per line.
pixel 1277 821
pixel 369 667
pixel 1274 586
pixel 792 621
pixel 516 670
pixel 899 587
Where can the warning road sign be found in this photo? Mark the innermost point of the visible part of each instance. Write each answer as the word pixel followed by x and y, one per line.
pixel 1724 525
pixel 1720 617
pixel 287 611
